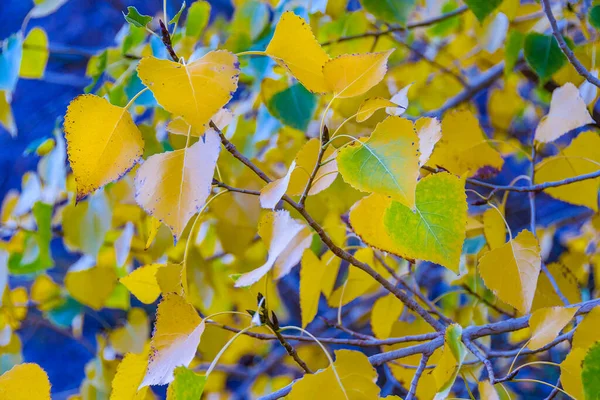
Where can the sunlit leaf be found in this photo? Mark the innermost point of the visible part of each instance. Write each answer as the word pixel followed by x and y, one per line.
pixel 351 75
pixel 25 382
pixel 546 323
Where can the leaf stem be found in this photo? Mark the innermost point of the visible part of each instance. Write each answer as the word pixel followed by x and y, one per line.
pixel 134 98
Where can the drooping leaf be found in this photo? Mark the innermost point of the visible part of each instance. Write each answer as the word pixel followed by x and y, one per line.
pixel 176 336
pixel 387 163
pixel 546 323
pixel 103 142
pixel 351 75
pixel 448 366
pixel 272 193
pixel 390 11
pixel 511 271
pixel 174 186
pixel 581 157
pixel 436 230
pixel 483 8
pixel 136 19
pixel 311 275
pixel 25 382
pixel 294 47
pixel 567 112
pixel 187 385
pixel 463 146
pixel 35 54
pixel 195 91
pixel 356 374
pixel 543 55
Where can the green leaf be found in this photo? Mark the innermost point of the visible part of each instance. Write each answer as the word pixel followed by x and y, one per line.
pixel 294 106
pixel 175 19
pixel 135 18
pixel 394 11
pixel 36 253
pixel 543 55
pixel 591 371
pixel 483 8
pixel 197 18
pixel 387 163
pixel 594 16
pixel 514 44
pixel 436 230
pixel 251 19
pixel 187 385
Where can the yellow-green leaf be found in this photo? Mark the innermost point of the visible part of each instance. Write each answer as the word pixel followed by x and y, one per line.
pixel 511 271
pixel 25 382
pixel 546 323
pixel 195 91
pixel 387 163
pixel 351 75
pixel 174 186
pixel 103 142
pixel 35 54
pixel 435 231
pixel 294 47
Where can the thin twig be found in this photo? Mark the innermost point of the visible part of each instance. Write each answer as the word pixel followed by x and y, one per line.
pixel 292 352
pixel 417 376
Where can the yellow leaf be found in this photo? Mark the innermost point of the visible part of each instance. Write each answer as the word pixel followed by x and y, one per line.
pixel 448 366
pixel 305 162
pixel 494 228
pixel 92 286
pixel 311 275
pixel 570 372
pixel 286 239
pixel 35 54
pixel 511 270
pixel 387 163
pixel 487 391
pixel 436 230
pixel 171 279
pixel 178 126
pixel 176 336
pixel 25 382
pixel 546 323
pixel 463 146
pixel 366 219
pixel 142 283
pixel 273 191
pixel 45 292
pixel 385 313
pixel 581 157
pixel 587 332
pixel 567 112
pixel 103 142
pixel 132 336
pixel 369 106
pixel 356 374
pixel 351 75
pixel 294 47
pixel 545 295
pixel 195 91
pixel 429 131
pixel 174 186
pixel 130 372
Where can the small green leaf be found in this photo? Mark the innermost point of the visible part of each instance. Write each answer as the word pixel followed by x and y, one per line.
pixel 175 19
pixel 396 11
pixel 187 385
pixel 591 371
pixel 135 18
pixel 36 253
pixel 543 55
pixel 294 106
pixel 514 44
pixel 594 16
pixel 483 8
pixel 197 18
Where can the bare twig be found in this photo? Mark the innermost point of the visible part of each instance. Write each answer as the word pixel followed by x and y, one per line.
pixel 292 352
pixel 415 380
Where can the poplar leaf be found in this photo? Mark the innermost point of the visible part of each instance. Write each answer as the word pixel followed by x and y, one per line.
pixel 273 191
pixel 387 163
pixel 429 131
pixel 570 372
pixel 511 271
pixel 487 391
pixel 294 47
pixel 390 11
pixel 356 373
pixel 582 156
pixel 463 146
pixel 351 75
pixel 448 366
pixel 482 8
pixel 587 331
pixel 176 336
pixel 179 126
pixel 543 54
pixel 187 385
pixel 286 240
pixel 369 106
pixel 494 228
pixel 305 162
pixel 435 231
pixel 568 111
pixel 92 286
pixel 174 186
pixel 35 54
pixel 130 372
pixel 103 142
pixel 25 382
pixel 546 324
pixel 142 283
pixel 195 91
pixel 385 313
pixel 311 275
pixel 591 371
pixel 136 19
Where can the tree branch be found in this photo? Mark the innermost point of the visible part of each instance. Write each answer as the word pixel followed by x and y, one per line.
pixel 417 376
